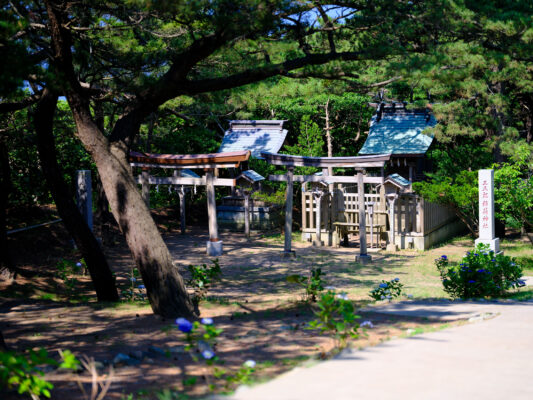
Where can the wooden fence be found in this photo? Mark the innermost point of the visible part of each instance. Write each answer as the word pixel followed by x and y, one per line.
pixel 412 214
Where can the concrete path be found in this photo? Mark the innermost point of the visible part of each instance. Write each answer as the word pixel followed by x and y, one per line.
pixel 486 359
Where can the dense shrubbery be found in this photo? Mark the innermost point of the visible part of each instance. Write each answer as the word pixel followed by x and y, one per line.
pixel 480 274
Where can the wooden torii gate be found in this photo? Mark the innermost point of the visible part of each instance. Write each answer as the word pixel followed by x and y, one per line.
pixel 360 163
pixel 208 162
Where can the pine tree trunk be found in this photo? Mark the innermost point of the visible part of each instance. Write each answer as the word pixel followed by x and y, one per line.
pixel 6 262
pixel 102 278
pixel 165 287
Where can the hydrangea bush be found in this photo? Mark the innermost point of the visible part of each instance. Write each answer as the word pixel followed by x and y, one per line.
pixel 387 290
pixel 313 284
pixel 336 316
pixel 481 273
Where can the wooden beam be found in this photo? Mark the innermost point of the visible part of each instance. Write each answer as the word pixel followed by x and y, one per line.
pixel 190 160
pixel 325 162
pixel 327 179
pixel 178 180
pixel 176 166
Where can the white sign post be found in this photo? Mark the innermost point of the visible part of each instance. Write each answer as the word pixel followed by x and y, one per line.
pixel 486 210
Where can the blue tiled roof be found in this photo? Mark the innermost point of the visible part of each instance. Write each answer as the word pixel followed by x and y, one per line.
pixel 187 173
pixel 400 180
pixel 256 136
pixel 252 176
pixel 399 132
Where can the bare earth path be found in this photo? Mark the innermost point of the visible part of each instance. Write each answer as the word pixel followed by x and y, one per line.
pixel 489 359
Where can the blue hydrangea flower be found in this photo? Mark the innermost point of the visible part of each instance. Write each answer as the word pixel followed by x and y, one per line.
pixel 366 324
pixel 493 260
pixel 444 280
pixel 513 264
pixel 342 296
pixel 207 321
pixel 444 257
pixel 481 271
pixel 383 285
pixel 396 279
pixel 78 264
pixel 471 281
pixel 141 287
pixel 208 354
pixel 133 279
pixel 477 255
pixel 184 325
pixel 521 282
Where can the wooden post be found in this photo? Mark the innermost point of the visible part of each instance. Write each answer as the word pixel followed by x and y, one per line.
pixel 371 218
pixel 421 215
pixel 181 194
pixel 287 252
pixel 317 195
pixel 247 214
pixel 84 196
pixel 363 257
pixel 145 182
pixel 392 245
pixel 214 245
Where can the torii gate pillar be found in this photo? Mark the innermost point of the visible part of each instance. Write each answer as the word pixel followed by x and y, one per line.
pixel 214 245
pixel 287 252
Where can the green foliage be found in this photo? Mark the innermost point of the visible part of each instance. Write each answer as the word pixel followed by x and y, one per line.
pixel 232 379
pixel 134 290
pixel 514 193
pixel 336 316
pixel 312 284
pixel 460 193
pixel 28 184
pixel 387 290
pixel 23 371
pixel 201 339
pixel 67 271
pixel 202 278
pixel 480 274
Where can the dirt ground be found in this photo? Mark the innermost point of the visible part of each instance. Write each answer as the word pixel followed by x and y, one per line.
pixel 262 316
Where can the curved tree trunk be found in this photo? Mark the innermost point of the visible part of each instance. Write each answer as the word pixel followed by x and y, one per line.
pixel 102 278
pixel 165 287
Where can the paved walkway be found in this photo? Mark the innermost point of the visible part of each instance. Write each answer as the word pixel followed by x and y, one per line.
pixel 486 359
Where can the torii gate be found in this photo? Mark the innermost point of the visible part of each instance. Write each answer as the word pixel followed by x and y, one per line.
pixel 360 163
pixel 207 162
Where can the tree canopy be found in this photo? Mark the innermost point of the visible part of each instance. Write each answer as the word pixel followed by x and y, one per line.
pixel 163 75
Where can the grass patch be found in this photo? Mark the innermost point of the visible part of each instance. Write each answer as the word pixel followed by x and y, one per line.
pixel 521 295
